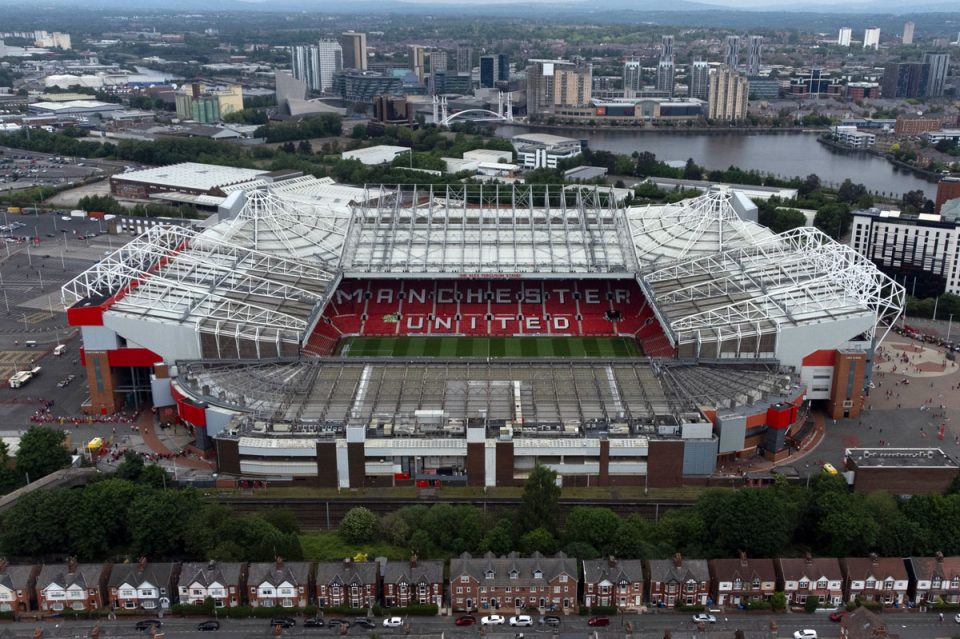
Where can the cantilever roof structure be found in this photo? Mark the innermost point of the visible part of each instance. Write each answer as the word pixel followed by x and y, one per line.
pixel 798 277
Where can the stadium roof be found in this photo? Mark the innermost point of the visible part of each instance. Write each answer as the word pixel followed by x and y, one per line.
pixel 591 394
pixel 798 277
pixel 174 275
pixel 704 225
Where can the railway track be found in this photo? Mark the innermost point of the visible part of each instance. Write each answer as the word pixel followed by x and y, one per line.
pixel 326 513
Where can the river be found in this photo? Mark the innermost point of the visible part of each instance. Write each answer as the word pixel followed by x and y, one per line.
pixel 785 154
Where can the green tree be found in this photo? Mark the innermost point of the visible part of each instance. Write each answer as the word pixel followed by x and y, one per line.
pixel 157 521
pixel 538 540
pixel 282 518
pixel 359 526
pixel 541 501
pixel 37 524
pixel 98 518
pixel 597 527
pixel 778 601
pixel 499 539
pixel 41 452
pixel 130 467
pixel 832 219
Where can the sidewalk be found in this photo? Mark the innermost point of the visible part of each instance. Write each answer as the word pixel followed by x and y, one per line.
pixel 158 443
pixel 760 465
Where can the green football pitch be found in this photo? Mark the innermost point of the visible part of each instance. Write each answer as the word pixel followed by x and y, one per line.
pixel 451 347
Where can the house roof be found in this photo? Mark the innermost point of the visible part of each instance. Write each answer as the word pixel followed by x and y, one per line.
pixel 879 568
pixel 83 575
pixel 811 568
pixel 499 569
pixel 153 573
pixel 16 577
pixel 430 572
pixel 224 573
pixel 863 624
pixel 295 573
pixel 745 569
pixel 346 572
pixel 666 570
pixel 615 571
pixel 929 567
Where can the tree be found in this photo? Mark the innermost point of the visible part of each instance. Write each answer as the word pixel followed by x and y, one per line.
pixel 832 219
pixel 499 539
pixel 541 501
pixel 597 527
pixel 282 518
pixel 850 192
pixel 810 185
pixel 41 452
pixel 691 171
pixel 538 540
pixel 913 201
pixel 778 601
pixel 359 526
pixel 37 524
pixel 131 467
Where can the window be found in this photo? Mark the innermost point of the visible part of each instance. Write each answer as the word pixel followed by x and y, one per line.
pixel 459 590
pixel 489 574
pixel 538 574
pixel 514 574
pixel 563 579
pixel 556 590
pixel 822 584
pixel 804 585
pixel 464 579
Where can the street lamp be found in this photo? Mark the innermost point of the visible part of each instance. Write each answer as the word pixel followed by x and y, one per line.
pixel 949 326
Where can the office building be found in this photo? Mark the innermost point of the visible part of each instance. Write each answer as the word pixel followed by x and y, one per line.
pixel 764 88
pixel 208 105
pixel 438 60
pixel 731 52
pixel 907 33
pixel 938 64
pixel 666 44
pixel 450 83
pixel 919 251
pixel 905 80
pixel 464 58
pixel 948 189
pixel 557 83
pixel 305 63
pixel 632 78
pixel 503 67
pixel 417 54
pixel 728 97
pixel 699 80
pixel 812 82
pixel 871 38
pixel 288 89
pixel 488 71
pixel 846 35
pixel 361 87
pixel 354 47
pixel 753 57
pixel 543 150
pixel 850 136
pixel 331 61
pixel 665 77
pixel 858 90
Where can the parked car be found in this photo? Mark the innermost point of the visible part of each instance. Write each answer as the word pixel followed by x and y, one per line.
pixel 550 620
pixel 284 622
pixel 393 622
pixel 598 621
pixel 806 633
pixel 466 620
pixel 493 620
pixel 336 623
pixel 837 615
pixel 704 618
pixel 364 622
pixel 522 621
pixel 313 622
pixel 206 626
pixel 957 618
pixel 147 624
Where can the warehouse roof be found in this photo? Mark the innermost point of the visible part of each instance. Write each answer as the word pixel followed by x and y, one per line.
pixel 191 175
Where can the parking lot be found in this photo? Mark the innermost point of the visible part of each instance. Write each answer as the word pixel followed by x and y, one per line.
pixel 23 169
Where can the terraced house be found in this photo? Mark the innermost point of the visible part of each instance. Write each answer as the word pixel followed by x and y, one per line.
pixel 806 577
pixel 279 583
pixel 415 581
pixel 738 580
pixel 934 579
pixel 880 579
pixel 514 582
pixel 679 581
pixel 347 583
pixel 144 585
pixel 221 581
pixel 613 582
pixel 16 586
pixel 71 586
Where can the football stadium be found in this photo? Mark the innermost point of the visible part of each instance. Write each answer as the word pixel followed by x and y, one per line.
pixel 339 336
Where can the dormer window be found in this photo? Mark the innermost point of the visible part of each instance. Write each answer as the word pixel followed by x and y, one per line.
pixel 871 583
pixel 538 574
pixel 489 574
pixel 804 584
pixel 514 574
pixel 822 584
pixel 756 582
pixel 737 584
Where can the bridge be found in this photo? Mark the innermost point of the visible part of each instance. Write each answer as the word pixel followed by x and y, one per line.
pixel 504 112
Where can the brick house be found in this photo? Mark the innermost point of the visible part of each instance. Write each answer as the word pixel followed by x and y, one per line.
pixel 279 583
pixel 72 586
pixel 863 624
pixel 17 584
pixel 514 582
pixel 347 583
pixel 934 578
pixel 873 578
pixel 678 581
pixel 806 577
pixel 222 581
pixel 735 581
pixel 143 585
pixel 415 581
pixel 613 582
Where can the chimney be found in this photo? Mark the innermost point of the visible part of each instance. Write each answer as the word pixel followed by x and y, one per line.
pixel 3 564
pixel 743 558
pixel 279 562
pixel 612 561
pixel 873 558
pixel 72 565
pixel 808 559
pixel 141 564
pixel 939 558
pixel 678 560
pixel 347 563
pixel 413 560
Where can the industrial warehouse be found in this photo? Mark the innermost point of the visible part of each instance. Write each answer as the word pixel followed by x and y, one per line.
pixel 347 337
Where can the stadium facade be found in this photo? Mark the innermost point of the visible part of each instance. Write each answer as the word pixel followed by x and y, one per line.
pixel 241 331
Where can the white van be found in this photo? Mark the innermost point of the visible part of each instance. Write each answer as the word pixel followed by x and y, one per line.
pixel 30 343
pixel 60 349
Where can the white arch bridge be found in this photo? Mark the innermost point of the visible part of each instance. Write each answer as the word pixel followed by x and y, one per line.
pixel 504 112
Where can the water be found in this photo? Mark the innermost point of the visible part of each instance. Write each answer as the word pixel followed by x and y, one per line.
pixel 785 154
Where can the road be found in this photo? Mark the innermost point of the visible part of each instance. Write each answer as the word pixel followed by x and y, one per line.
pixel 650 626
